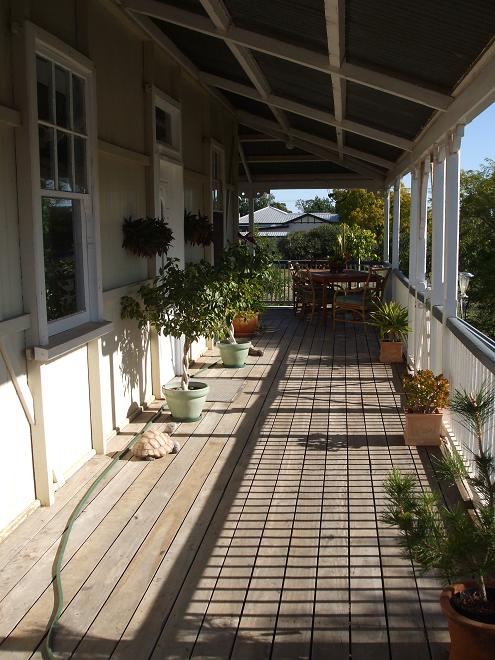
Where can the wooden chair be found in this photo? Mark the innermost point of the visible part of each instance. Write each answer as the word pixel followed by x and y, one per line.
pixel 311 294
pixel 358 301
pixel 378 286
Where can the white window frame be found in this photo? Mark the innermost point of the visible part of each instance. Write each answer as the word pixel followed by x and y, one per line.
pixel 39 42
pixel 172 107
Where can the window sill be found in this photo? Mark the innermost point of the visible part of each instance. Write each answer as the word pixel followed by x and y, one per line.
pixel 70 340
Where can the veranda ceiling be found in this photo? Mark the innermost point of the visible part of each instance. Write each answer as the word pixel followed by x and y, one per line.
pixel 338 92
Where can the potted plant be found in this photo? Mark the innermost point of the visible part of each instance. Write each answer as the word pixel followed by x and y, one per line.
pixel 237 292
pixel 198 230
pixel 181 303
pixel 392 321
pixel 426 396
pixel 147 237
pixel 457 543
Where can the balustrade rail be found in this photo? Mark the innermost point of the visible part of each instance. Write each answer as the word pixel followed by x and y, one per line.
pixel 461 352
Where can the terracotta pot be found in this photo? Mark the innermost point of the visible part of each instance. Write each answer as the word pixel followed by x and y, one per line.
pixel 391 351
pixel 423 429
pixel 470 640
pixel 246 327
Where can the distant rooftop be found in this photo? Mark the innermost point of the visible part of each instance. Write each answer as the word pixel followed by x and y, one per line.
pixel 273 216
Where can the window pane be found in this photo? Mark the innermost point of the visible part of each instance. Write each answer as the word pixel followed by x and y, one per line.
pixel 62 97
pixel 163 126
pixel 78 107
pixel 64 161
pixel 62 246
pixel 80 184
pixel 47 157
pixel 44 89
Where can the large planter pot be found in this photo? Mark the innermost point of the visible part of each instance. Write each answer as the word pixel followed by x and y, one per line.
pixel 234 355
pixel 470 640
pixel 186 405
pixel 245 327
pixel 391 351
pixel 423 429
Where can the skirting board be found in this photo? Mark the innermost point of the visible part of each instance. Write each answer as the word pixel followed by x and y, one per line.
pixel 19 519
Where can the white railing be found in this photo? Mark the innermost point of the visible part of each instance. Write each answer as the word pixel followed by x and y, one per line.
pixel 465 356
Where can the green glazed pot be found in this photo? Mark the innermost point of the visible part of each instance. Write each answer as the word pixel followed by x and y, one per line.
pixel 186 405
pixel 234 355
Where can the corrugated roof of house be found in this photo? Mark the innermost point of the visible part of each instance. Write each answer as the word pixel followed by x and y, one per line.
pixel 272 216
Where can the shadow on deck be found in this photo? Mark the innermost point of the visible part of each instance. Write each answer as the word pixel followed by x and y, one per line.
pixel 261 539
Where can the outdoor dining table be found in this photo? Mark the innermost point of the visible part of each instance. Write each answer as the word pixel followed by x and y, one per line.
pixel 326 277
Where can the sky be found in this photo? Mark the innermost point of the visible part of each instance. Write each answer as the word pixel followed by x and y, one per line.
pixel 478 143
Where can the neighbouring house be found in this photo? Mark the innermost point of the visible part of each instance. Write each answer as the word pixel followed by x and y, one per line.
pixel 275 223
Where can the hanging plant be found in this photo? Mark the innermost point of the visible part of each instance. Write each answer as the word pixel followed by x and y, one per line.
pixel 198 230
pixel 147 237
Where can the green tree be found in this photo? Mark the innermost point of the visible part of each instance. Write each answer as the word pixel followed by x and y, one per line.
pixel 260 202
pixel 477 243
pixel 315 205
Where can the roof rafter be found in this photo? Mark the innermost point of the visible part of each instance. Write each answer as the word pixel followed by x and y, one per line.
pixel 284 50
pixel 221 19
pixel 331 156
pixel 335 16
pixel 244 162
pixel 306 111
pixel 270 127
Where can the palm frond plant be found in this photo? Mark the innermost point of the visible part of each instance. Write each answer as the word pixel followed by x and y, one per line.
pixel 392 321
pixel 147 237
pixel 457 544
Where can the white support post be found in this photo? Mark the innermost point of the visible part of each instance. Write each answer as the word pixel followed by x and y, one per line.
pixel 452 185
pixel 422 226
pixel 386 226
pixel 396 225
pixel 437 254
pixel 413 239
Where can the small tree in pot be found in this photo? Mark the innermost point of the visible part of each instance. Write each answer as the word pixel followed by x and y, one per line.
pixel 457 543
pixel 392 321
pixel 181 302
pixel 426 396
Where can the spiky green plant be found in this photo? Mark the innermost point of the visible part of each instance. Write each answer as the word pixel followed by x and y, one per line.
pixel 392 321
pixel 451 541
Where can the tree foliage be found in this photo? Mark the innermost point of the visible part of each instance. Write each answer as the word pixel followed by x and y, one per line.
pixel 477 243
pixel 328 241
pixel 316 205
pixel 260 202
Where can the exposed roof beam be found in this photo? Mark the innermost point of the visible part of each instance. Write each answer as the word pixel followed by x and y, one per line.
pixel 221 19
pixel 245 163
pixel 475 97
pixel 284 50
pixel 335 16
pixel 270 127
pixel 312 181
pixel 285 158
pixel 257 137
pixel 306 111
pixel 166 44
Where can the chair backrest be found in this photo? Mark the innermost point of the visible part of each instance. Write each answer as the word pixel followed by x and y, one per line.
pixel 380 274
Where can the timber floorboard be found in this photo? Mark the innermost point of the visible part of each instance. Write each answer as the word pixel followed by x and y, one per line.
pixel 261 538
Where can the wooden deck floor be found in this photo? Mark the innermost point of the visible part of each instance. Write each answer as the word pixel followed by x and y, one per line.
pixel 260 539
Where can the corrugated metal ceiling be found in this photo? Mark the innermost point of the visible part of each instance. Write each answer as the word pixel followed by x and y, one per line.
pixel 426 41
pixel 300 22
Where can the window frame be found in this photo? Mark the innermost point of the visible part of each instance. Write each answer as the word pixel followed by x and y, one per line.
pixel 41 43
pixel 173 108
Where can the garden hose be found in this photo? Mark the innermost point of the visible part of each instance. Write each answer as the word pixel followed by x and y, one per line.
pixel 58 589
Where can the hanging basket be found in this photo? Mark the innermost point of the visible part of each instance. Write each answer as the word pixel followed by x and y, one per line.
pixel 198 230
pixel 147 237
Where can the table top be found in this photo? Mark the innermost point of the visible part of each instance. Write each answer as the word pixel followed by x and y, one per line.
pixel 344 276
